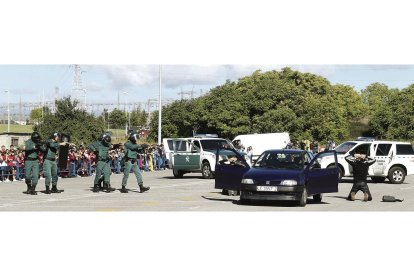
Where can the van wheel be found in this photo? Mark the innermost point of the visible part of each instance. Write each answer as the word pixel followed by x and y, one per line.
pixel 377 179
pixel 303 198
pixel 206 171
pixel 396 175
pixel 177 173
pixel 340 172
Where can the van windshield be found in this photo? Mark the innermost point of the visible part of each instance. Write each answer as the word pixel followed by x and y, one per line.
pixel 212 145
pixel 345 147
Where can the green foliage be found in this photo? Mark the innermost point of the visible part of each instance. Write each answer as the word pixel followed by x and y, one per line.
pixel 395 119
pixel 118 118
pixel 138 118
pixel 376 95
pixel 69 119
pixel 303 104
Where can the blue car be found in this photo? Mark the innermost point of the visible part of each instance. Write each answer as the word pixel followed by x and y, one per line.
pixel 283 174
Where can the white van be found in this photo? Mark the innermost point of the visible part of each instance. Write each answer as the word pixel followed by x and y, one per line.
pixel 394 160
pixel 262 142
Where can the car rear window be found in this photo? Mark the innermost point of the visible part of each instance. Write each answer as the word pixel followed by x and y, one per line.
pixel 383 149
pixel 405 149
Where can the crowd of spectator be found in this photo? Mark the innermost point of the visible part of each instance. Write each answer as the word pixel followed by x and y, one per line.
pixel 81 162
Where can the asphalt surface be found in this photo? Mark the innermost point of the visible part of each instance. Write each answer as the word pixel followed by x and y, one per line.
pixel 190 193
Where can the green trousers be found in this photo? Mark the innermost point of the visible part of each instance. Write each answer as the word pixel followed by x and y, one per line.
pixel 102 168
pixel 31 172
pixel 135 170
pixel 50 172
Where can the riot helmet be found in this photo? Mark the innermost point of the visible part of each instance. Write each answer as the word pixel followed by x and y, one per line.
pixel 55 135
pixel 106 138
pixel 133 138
pixel 35 137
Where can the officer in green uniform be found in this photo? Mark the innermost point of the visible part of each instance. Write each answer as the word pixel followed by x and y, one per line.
pixel 131 154
pixel 31 162
pixel 49 162
pixel 101 150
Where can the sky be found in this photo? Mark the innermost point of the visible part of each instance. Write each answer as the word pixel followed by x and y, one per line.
pixel 138 83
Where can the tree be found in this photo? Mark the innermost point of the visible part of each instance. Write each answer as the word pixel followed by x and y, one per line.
pixel 306 105
pixel 395 119
pixel 376 95
pixel 37 114
pixel 117 118
pixel 69 119
pixel 138 118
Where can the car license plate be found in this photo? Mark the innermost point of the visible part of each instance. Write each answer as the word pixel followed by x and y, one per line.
pixel 267 188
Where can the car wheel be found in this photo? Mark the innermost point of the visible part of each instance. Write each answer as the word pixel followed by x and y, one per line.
pixel 303 198
pixel 340 172
pixel 177 173
pixel 396 175
pixel 206 171
pixel 317 198
pixel 377 179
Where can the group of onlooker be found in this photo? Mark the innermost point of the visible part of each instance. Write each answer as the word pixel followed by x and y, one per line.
pixel 81 162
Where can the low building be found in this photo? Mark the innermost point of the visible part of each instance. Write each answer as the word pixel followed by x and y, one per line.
pixel 13 138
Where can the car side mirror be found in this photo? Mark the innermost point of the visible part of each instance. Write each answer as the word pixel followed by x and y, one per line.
pixel 194 151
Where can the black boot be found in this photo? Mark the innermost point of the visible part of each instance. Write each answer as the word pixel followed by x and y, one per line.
pixel 142 188
pixel 124 190
pixel 107 188
pixel 100 181
pixel 55 189
pixel 33 190
pixel 29 188
pixel 47 190
pixel 96 188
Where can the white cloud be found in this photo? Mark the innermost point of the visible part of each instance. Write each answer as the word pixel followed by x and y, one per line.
pixel 176 76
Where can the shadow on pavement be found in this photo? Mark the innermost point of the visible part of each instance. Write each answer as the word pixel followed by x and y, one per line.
pixel 221 199
pixel 343 197
pixel 184 177
pixel 275 203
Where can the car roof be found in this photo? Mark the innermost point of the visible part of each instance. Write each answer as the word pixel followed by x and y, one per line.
pixel 378 141
pixel 286 150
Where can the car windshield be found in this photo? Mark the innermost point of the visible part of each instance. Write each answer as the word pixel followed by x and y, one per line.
pixel 211 145
pixel 345 147
pixel 280 160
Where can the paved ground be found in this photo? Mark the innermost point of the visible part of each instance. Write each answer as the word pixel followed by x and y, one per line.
pixel 191 193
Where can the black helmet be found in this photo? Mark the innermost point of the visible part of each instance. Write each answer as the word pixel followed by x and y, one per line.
pixel 56 134
pixel 133 137
pixel 35 137
pixel 106 138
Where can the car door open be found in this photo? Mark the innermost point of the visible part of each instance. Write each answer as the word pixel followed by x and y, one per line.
pixel 230 168
pixel 322 180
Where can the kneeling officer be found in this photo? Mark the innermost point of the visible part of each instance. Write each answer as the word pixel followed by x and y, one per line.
pixel 131 155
